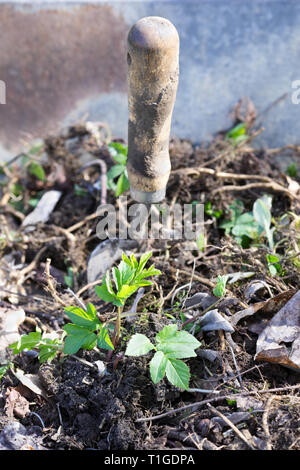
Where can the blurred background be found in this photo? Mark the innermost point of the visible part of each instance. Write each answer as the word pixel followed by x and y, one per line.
pixel 65 61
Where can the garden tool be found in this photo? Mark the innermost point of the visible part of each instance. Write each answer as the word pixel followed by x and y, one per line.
pixel 153 69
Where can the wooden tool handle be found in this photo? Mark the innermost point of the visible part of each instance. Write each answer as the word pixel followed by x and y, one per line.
pixel 153 56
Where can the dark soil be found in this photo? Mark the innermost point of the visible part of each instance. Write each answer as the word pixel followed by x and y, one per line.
pixel 84 410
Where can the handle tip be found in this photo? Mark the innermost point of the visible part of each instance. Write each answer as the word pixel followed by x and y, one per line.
pixel 153 32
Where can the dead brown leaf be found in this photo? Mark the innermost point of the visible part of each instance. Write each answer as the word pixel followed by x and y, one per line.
pixel 15 404
pixel 279 342
pixel 270 306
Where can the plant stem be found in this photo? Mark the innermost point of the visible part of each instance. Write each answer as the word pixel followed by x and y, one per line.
pixel 117 332
pixel 118 329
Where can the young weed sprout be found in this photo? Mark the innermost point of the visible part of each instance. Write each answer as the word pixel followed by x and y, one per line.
pixel 171 346
pixel 86 331
pixel 128 277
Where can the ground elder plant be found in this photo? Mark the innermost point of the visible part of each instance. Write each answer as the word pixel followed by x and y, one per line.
pixel 170 347
pixel 86 331
pixel 251 227
pixel 46 346
pixel 120 283
pixel 247 227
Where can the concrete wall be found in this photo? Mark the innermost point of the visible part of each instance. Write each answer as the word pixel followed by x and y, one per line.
pixel 62 60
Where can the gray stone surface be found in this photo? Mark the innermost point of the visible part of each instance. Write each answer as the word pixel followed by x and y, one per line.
pixel 229 49
pixel 14 436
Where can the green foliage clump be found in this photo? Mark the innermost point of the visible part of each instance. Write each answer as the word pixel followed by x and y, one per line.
pixel 171 345
pixel 117 178
pixel 47 347
pixel 129 276
pixel 237 134
pixel 86 331
pixel 250 226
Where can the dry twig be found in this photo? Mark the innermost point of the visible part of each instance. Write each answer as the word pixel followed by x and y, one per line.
pixel 51 285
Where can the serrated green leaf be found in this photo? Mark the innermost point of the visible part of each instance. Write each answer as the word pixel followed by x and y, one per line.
pixel 237 131
pixel 126 291
pixel 115 171
pixel 118 152
pixel 245 224
pixel 138 345
pixel 80 317
pixel 126 271
pixel 47 354
pixel 78 337
pixel 134 262
pixel 103 294
pixel 122 185
pixel 274 264
pixel 220 289
pixel 178 373
pixel 143 260
pixel 144 283
pixel 117 278
pixel 179 345
pixel 126 259
pixel 104 341
pixel 262 215
pixel 167 332
pixel 29 342
pixel 158 366
pixel 91 311
pixel 37 170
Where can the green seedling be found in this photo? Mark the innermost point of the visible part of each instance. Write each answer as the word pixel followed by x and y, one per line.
pixel 292 170
pixel 36 170
pixel 250 226
pixel 85 332
pixel 3 369
pixel 170 346
pixel 29 165
pixel 235 209
pixel 231 402
pixel 69 278
pixel 220 289
pixel 117 178
pixel 274 265
pixel 127 278
pixel 263 217
pixel 237 134
pixel 209 210
pixel 47 347
pixel 29 162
